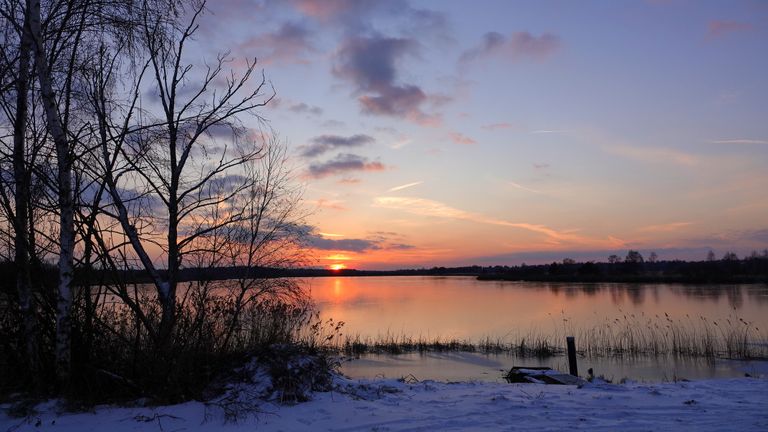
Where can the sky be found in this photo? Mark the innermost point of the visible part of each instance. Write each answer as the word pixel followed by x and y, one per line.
pixel 451 133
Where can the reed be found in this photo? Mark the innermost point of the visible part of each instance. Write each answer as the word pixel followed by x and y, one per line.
pixel 640 334
pixel 628 334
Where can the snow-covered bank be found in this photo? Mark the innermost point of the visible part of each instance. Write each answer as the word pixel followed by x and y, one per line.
pixel 390 405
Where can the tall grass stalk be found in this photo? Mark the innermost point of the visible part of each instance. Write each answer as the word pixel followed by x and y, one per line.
pixel 626 335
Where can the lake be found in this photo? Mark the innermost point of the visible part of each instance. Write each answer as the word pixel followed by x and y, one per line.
pixel 380 308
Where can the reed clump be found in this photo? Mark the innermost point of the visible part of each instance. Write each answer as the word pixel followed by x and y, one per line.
pixel 641 334
pixel 630 334
pixel 401 344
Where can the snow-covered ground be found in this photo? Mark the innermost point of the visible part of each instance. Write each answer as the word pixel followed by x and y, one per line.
pixel 390 405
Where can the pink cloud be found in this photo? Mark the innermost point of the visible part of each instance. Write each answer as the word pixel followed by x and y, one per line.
pixel 460 138
pixel 349 180
pixel 329 10
pixel 288 44
pixel 342 164
pixel 330 204
pixel 718 28
pixel 518 46
pixel 497 126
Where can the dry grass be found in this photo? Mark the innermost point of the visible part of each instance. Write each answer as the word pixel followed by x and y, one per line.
pixel 626 335
pixel 633 334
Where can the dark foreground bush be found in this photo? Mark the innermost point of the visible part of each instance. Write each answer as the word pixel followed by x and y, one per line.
pixel 116 359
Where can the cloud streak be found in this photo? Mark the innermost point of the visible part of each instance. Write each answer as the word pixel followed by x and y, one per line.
pixel 302 108
pixel 718 28
pixel 521 187
pixel 356 16
pixel 288 44
pixel 518 46
pixel 654 154
pixel 332 242
pixel 405 186
pixel 459 138
pixel 349 245
pixel 324 143
pixel 498 126
pixel 740 141
pixel 330 204
pixel 669 227
pixel 426 207
pixel 342 164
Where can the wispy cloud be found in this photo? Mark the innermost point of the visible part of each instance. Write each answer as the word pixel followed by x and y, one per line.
pixel 288 44
pixel 546 131
pixel 325 143
pixel 350 245
pixel 668 227
pixel 718 28
pixel 334 9
pixel 405 186
pixel 303 108
pixel 426 207
pixel 521 187
pixel 400 143
pixel 739 141
pixel 343 163
pixel 460 138
pixel 374 242
pixel 498 126
pixel 357 16
pixel 517 46
pixel 653 154
pixel 324 234
pixel 330 204
pixel 732 239
pixel 349 180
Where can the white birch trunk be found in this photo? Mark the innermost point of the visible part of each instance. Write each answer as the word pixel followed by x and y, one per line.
pixel 66 203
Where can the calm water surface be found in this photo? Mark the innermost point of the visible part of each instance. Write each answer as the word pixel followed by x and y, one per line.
pixel 465 308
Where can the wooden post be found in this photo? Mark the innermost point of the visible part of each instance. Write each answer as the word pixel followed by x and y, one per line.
pixel 574 370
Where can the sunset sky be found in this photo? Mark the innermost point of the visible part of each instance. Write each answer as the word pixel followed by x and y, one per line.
pixel 499 132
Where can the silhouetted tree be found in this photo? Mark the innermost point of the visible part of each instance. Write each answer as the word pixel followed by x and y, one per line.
pixel 633 262
pixel 730 256
pixel 711 256
pixel 634 257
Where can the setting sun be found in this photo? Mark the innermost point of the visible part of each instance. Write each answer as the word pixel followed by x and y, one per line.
pixel 337 267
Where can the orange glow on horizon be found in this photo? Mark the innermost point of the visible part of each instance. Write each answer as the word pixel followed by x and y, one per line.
pixel 338 257
pixel 337 266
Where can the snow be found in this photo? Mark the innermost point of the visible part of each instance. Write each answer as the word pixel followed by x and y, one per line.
pixel 391 405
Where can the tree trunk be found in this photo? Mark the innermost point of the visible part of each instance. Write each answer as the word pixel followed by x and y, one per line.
pixel 22 207
pixel 66 203
pixel 168 296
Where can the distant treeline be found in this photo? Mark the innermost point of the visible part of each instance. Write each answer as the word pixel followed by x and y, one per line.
pixel 632 268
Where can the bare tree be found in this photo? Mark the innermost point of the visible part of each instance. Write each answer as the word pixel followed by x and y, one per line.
pixel 126 157
pixel 653 257
pixel 270 234
pixel 188 160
